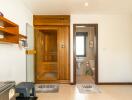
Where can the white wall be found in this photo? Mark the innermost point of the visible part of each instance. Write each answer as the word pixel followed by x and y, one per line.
pixel 115 49
pixel 13 58
pixel 115 45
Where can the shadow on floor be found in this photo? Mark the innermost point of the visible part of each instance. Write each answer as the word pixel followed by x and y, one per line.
pixel 26 98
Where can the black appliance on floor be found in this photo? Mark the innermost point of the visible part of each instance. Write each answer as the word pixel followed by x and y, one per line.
pixel 26 91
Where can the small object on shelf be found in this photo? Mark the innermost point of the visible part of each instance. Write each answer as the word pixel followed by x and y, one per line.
pixel 1 35
pixel 23 43
pixel 23 40
pixel 1 27
pixel 1 14
pixel 1 24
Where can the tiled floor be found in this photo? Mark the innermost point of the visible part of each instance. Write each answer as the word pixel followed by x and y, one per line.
pixel 84 79
pixel 109 92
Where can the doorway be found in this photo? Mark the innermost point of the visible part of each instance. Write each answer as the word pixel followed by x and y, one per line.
pixel 85 45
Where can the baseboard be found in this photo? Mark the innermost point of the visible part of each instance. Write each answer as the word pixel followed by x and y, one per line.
pixel 114 83
pixel 54 81
pixel 71 83
pixel 64 81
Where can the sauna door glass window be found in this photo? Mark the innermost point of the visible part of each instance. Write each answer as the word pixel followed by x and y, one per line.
pixel 81 44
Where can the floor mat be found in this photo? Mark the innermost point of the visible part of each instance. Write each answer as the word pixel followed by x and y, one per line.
pixel 26 98
pixel 47 88
pixel 88 88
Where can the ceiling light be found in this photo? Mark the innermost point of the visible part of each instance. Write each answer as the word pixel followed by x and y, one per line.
pixel 86 4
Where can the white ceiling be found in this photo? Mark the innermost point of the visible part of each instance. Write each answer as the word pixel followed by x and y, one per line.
pixel 77 6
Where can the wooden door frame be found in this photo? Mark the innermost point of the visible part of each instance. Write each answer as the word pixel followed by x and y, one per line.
pixel 74 51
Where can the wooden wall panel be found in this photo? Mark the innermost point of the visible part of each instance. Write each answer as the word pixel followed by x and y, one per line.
pixel 51 20
pixel 64 69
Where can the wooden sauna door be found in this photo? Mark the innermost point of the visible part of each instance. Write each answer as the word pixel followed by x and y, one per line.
pixel 46 57
pixel 52 58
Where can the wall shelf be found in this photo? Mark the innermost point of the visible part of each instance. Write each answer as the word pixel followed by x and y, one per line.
pixel 22 37
pixel 9 31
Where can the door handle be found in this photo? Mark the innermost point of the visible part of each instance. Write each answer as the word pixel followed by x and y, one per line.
pixel 30 52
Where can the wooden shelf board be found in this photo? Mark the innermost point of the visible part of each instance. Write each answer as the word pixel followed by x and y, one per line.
pixel 7 22
pixel 22 36
pixel 9 30
pixel 8 41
